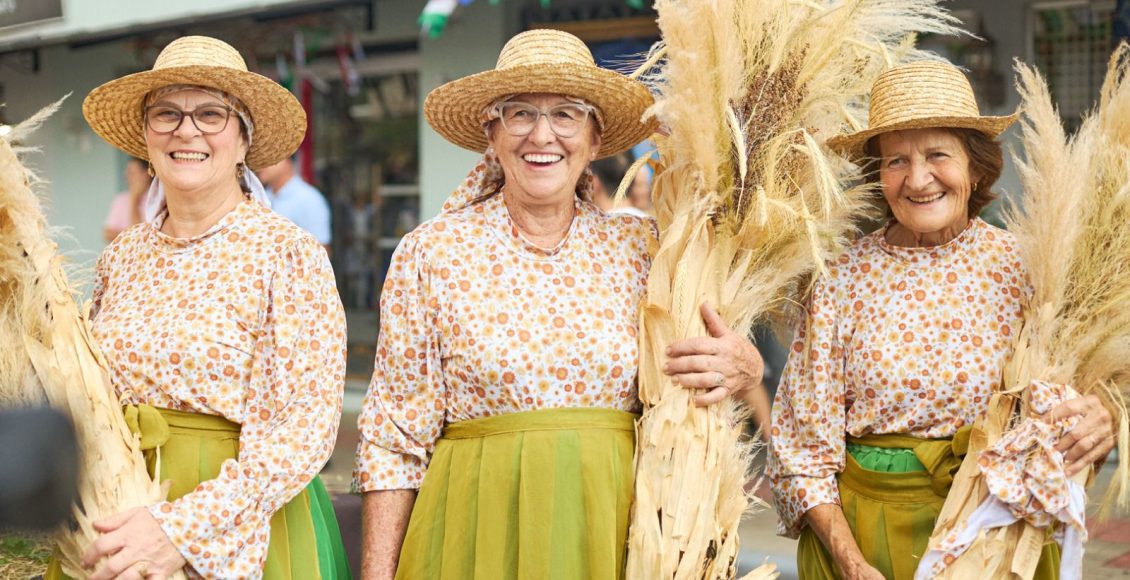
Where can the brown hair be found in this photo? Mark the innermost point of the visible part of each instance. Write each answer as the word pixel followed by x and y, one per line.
pixel 986 157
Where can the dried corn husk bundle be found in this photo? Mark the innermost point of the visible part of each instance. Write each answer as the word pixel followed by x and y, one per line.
pixel 749 207
pixel 49 355
pixel 1073 233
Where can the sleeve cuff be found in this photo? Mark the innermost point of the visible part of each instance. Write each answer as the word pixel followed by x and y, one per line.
pixel 379 469
pixel 795 495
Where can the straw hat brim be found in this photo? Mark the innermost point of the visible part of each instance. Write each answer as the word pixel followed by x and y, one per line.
pixel 854 145
pixel 454 109
pixel 114 112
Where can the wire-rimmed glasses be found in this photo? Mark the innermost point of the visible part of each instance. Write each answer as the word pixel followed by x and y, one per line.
pixel 565 120
pixel 209 119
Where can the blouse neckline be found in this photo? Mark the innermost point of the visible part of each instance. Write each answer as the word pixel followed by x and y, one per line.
pixel 499 218
pixel 953 248
pixel 175 244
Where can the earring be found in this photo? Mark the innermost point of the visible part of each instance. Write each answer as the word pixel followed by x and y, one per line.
pixel 149 170
pixel 240 170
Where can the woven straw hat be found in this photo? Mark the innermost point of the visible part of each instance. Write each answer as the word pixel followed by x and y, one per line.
pixel 114 110
pixel 542 61
pixel 916 96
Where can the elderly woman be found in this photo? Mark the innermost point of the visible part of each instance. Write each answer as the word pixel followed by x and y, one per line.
pixel 505 377
pixel 905 341
pixel 222 328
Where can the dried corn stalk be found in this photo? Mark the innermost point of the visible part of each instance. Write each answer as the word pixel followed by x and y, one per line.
pixel 749 207
pixel 1073 234
pixel 49 355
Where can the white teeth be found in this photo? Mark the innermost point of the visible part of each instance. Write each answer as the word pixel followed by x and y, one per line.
pixel 541 158
pixel 189 156
pixel 927 198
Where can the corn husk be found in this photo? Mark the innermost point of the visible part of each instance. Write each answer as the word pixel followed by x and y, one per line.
pixel 749 206
pixel 49 356
pixel 1073 233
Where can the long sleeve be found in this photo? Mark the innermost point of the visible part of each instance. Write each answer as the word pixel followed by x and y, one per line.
pixel 403 411
pixel 292 409
pixel 808 423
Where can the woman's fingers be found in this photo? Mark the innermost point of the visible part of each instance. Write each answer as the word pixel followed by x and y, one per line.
pixel 712 396
pixel 694 346
pixel 699 363
pixel 115 521
pixel 1097 452
pixel 115 567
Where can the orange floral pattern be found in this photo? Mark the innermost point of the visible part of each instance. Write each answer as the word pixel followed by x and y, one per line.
pixel 243 322
pixel 476 322
pixel 897 340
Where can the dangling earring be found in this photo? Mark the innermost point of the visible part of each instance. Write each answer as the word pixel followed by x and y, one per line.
pixel 149 170
pixel 240 170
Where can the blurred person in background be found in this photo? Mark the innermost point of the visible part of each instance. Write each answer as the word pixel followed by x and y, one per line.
pixel 222 330
pixel 607 174
pixel 126 207
pixel 639 194
pixel 297 201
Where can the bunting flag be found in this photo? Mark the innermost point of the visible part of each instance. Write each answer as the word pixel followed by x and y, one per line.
pixel 434 17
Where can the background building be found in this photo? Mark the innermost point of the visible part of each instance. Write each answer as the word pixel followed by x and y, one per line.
pixel 362 68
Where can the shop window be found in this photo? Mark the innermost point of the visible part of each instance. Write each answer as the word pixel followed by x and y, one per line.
pixel 366 143
pixel 1071 43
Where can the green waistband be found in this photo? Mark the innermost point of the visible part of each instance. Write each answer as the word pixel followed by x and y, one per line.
pixel 542 420
pixel 897 478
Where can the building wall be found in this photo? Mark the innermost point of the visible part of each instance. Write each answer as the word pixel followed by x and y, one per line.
pixel 85 172
pixel 470 44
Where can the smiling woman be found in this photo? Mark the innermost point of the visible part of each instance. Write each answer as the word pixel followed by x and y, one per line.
pixel 222 328
pixel 504 385
pixel 905 340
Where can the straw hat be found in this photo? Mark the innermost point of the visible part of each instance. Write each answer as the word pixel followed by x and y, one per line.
pixel 542 61
pixel 916 96
pixel 114 110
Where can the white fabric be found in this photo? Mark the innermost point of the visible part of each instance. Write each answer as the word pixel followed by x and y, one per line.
pixel 155 204
pixel 1026 479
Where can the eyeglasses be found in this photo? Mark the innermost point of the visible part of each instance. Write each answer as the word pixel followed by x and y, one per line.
pixel 209 119
pixel 565 120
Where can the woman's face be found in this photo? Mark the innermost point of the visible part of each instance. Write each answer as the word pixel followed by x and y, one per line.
pixel 926 180
pixel 187 160
pixel 542 167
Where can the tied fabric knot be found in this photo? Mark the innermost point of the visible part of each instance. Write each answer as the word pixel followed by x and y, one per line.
pixel 146 422
pixel 942 458
pixel 1027 480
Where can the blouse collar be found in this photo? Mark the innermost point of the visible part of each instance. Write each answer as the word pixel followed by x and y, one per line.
pixel 502 224
pixel 241 212
pixel 944 252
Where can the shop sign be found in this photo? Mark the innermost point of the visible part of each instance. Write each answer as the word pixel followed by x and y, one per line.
pixel 13 12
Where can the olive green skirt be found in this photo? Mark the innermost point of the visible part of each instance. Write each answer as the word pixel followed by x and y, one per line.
pixel 542 494
pixel 305 539
pixel 891 501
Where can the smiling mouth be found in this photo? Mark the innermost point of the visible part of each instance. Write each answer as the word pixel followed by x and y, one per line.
pixel 926 199
pixel 542 158
pixel 188 156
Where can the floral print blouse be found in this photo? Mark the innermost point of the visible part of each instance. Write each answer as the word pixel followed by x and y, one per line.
pixel 897 340
pixel 244 322
pixel 476 321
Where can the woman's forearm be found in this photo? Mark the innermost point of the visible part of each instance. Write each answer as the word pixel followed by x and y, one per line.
pixel 830 525
pixel 384 520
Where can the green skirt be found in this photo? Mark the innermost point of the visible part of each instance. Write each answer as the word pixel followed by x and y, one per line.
pixel 541 494
pixel 305 540
pixel 891 491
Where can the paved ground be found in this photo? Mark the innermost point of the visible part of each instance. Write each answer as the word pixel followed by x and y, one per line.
pixel 1107 556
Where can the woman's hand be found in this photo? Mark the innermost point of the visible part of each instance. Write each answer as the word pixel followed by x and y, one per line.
pixel 723 363
pixel 829 524
pixel 1091 439
pixel 135 547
